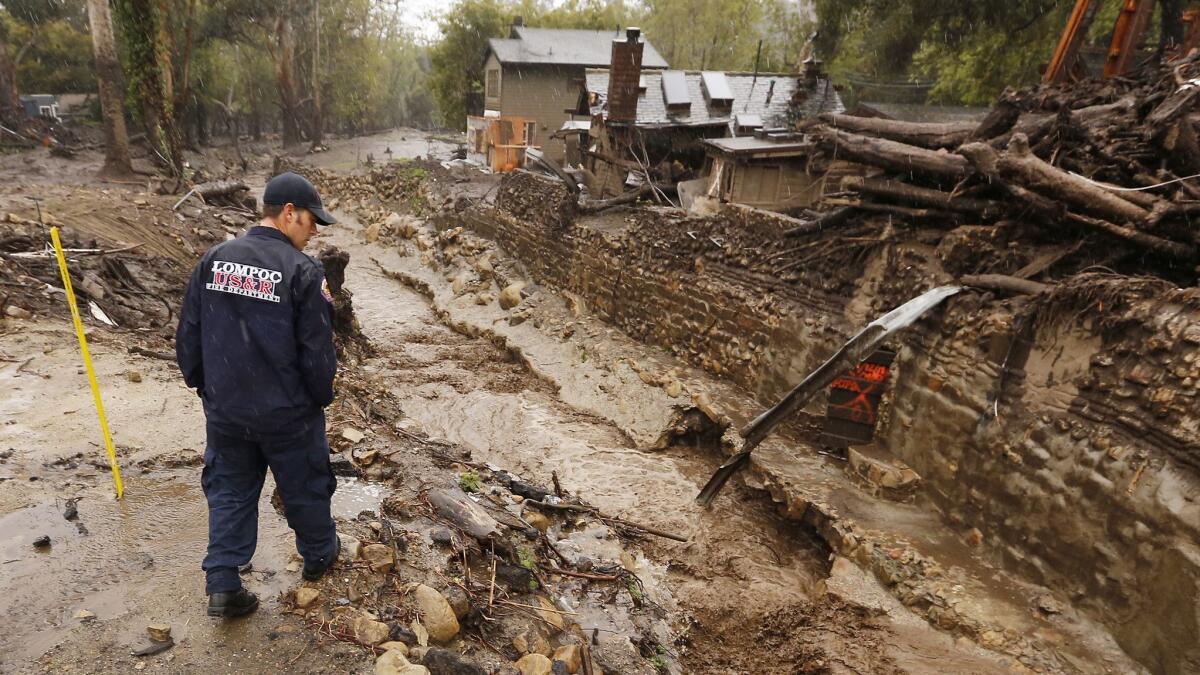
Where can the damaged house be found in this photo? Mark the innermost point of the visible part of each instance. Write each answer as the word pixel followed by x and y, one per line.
pixel 654 122
pixel 532 79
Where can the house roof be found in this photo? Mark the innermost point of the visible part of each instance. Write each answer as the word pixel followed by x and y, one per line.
pixel 566 47
pixel 766 95
pixel 752 147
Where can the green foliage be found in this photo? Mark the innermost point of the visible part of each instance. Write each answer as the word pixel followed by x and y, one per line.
pixel 525 557
pixel 659 663
pixel 707 35
pixel 970 51
pixel 457 61
pixel 56 56
pixel 635 591
pixel 469 481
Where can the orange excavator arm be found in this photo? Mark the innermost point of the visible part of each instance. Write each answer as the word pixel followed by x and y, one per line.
pixel 1066 56
pixel 1131 23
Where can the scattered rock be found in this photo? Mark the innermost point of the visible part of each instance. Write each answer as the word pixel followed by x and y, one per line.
pixel 71 510
pixel 673 388
pixel 437 615
pixel 353 435
pixel 1048 605
pixel 371 631
pixel 446 662
pixel 85 615
pixel 974 537
pixel 367 457
pixel 459 602
pixel 372 232
pixel 133 376
pixel 511 295
pixel 396 645
pixel 293 566
pixel 534 664
pixel 549 613
pixel 380 556
pixel 459 285
pixel 484 298
pixel 392 662
pixel 159 632
pixel 154 648
pixel 42 541
pixel 569 655
pixel 341 465
pixel 442 536
pixel 537 519
pixel 305 597
pixel 351 547
pixel 419 631
pixel 15 312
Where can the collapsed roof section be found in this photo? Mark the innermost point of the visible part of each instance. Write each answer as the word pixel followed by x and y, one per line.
pixel 676 98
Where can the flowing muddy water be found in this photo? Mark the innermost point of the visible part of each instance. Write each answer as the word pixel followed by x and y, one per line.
pixel 742 560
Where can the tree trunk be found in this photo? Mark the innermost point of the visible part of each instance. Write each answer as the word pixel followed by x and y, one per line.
pixel 921 134
pixel 891 155
pixel 150 68
pixel 108 75
pixel 318 121
pixel 912 194
pixel 1021 166
pixel 285 76
pixel 12 114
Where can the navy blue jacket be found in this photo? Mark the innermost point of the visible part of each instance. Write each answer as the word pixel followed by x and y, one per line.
pixel 255 336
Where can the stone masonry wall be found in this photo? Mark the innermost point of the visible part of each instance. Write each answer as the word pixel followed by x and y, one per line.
pixel 1071 445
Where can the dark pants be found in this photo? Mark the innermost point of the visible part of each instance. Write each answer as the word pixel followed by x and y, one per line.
pixel 234 470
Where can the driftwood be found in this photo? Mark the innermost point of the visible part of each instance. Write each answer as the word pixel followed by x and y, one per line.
pixel 597 205
pixel 824 222
pixel 891 155
pixel 1157 244
pixel 912 194
pixel 985 160
pixel 931 135
pixel 1003 282
pixel 219 188
pixel 1019 165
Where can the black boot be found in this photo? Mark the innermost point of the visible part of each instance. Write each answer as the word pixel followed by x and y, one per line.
pixel 232 603
pixel 316 569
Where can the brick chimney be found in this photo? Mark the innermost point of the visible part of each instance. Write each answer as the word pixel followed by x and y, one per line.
pixel 624 76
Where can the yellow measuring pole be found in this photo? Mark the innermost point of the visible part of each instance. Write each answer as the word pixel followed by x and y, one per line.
pixel 87 361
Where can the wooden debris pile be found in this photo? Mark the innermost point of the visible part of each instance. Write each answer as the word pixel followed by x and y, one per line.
pixel 1111 162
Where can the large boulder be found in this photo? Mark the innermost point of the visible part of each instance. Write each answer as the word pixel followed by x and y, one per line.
pixel 436 614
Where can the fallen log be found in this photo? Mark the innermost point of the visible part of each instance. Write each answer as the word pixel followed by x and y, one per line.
pixel 891 155
pixel 826 221
pixel 1005 283
pixel 597 205
pixel 999 120
pixel 984 158
pixel 1019 165
pixel 1154 243
pixel 219 188
pixel 931 135
pixel 913 194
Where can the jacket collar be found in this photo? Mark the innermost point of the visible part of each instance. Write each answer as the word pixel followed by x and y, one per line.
pixel 269 232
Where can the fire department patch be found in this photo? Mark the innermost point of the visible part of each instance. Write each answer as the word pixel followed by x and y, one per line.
pixel 247 280
pixel 325 291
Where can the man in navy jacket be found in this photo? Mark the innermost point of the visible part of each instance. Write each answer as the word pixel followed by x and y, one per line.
pixel 255 340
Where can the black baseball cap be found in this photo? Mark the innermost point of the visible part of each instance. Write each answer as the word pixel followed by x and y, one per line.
pixel 292 188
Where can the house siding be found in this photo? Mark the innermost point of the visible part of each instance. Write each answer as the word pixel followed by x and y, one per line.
pixel 541 93
pixel 492 102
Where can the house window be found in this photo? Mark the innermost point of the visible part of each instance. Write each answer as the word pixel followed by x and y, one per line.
pixel 493 83
pixel 530 129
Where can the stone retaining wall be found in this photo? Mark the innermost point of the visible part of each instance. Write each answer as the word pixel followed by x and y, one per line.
pixel 1071 445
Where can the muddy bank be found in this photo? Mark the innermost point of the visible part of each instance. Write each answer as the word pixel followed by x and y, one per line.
pixel 987 407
